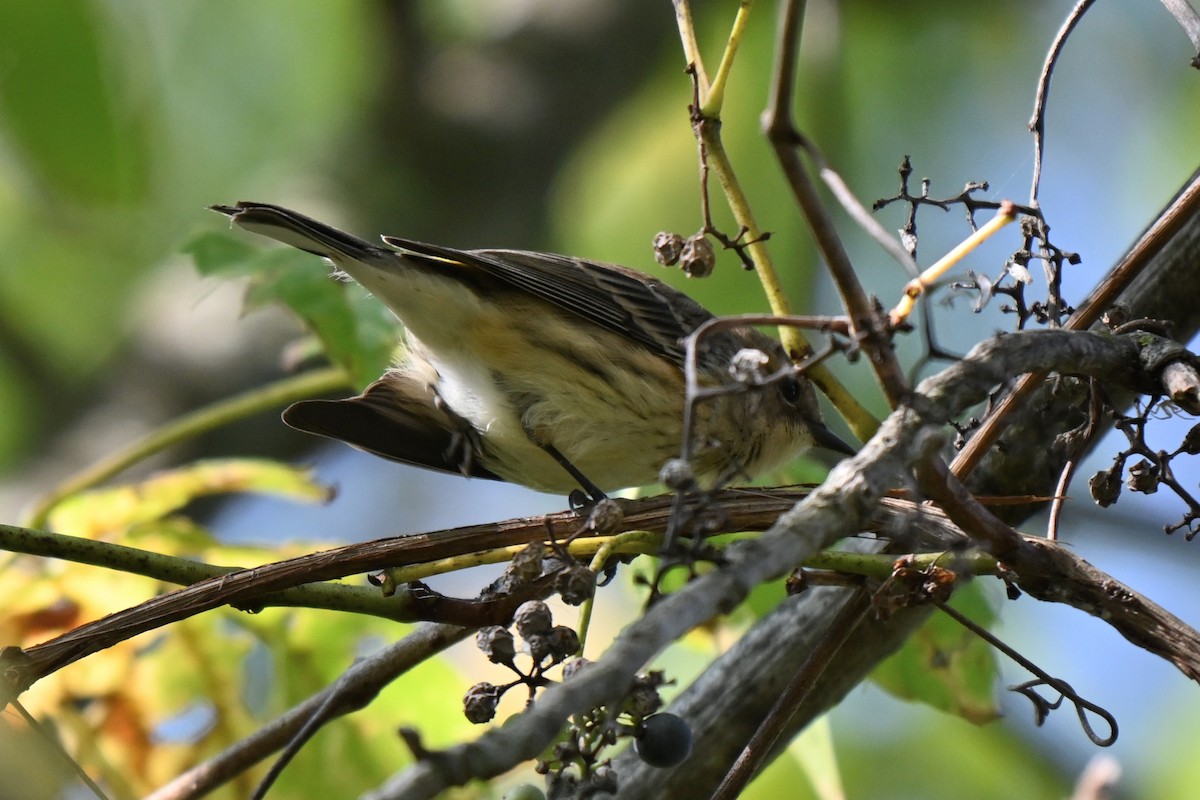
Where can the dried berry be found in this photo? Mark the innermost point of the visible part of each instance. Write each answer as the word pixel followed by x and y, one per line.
pixel 526 565
pixel 668 247
pixel 644 699
pixel 1143 477
pixel 677 475
pixel 1191 442
pixel 564 642
pixel 604 780
pixel 575 584
pixel 532 618
pixel 573 667
pixel 1105 486
pixel 606 517
pixel 496 642
pixel 697 259
pixel 480 702
pixel 540 647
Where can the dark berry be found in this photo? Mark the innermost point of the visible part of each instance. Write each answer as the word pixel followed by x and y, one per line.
pixel 664 741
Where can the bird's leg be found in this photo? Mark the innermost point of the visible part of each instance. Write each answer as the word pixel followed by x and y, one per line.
pixel 590 494
pixel 464 438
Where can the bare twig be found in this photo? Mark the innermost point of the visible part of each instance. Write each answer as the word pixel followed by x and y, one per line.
pixel 1171 243
pixel 1189 20
pixel 744 510
pixel 766 739
pixel 352 691
pixel 1037 124
pixel 55 744
pixel 785 138
pixel 1081 704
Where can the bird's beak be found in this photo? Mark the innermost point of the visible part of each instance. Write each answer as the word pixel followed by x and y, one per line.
pixel 828 440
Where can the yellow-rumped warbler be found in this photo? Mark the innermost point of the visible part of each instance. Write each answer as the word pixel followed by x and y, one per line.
pixel 544 370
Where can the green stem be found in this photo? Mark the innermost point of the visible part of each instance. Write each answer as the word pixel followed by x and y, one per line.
pixel 691 49
pixel 862 422
pixel 715 97
pixel 638 541
pixel 739 204
pixel 185 572
pixel 186 427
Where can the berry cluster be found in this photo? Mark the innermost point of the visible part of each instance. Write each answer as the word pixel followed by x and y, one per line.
pixel 694 254
pixel 576 766
pixel 545 643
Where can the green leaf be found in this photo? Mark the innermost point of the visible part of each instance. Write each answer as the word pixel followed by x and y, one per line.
pixel 945 665
pixel 356 331
pixel 219 254
pixel 814 750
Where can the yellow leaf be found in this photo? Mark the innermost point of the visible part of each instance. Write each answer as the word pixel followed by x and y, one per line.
pixel 105 513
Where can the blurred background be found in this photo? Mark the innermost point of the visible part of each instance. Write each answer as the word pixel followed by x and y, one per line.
pixel 562 125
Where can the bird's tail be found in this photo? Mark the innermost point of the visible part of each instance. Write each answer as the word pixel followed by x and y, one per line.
pixel 297 230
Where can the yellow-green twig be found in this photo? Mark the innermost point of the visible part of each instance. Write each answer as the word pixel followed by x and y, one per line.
pixel 861 421
pixel 611 547
pixel 918 285
pixel 714 98
pixel 186 427
pixel 187 571
pixel 580 548
pixel 691 49
pixel 881 565
pixel 739 204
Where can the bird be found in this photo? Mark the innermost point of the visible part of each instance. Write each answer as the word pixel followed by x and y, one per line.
pixel 557 373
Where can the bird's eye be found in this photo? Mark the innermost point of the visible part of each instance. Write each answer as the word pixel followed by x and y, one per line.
pixel 790 389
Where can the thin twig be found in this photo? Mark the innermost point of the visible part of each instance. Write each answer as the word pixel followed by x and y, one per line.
pixel 765 741
pixel 245 588
pixel 1189 20
pixel 714 99
pixel 56 745
pixel 1081 704
pixel 1175 230
pixel 366 677
pixel 1037 124
pixel 1082 444
pixel 781 131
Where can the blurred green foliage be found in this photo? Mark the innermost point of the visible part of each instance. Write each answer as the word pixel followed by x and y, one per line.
pixel 119 124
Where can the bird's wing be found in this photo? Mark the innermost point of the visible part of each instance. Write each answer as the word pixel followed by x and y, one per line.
pixel 621 300
pixel 395 418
